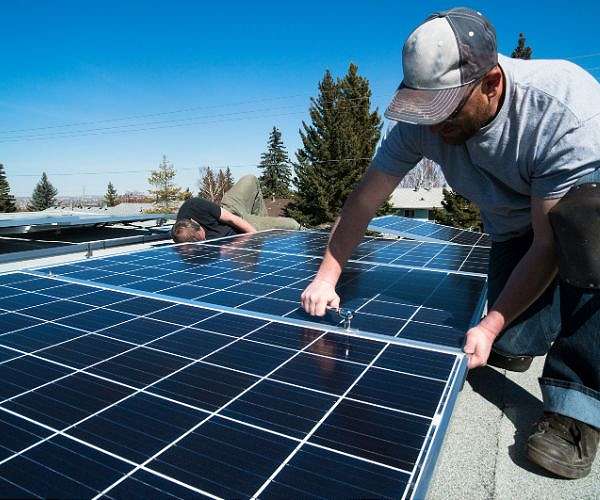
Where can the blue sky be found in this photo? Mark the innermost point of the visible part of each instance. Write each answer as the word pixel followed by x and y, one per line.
pixel 207 81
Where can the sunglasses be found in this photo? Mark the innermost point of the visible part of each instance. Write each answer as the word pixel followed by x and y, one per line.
pixel 461 104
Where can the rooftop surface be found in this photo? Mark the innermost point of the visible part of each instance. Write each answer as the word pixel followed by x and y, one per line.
pixel 483 456
pixel 419 198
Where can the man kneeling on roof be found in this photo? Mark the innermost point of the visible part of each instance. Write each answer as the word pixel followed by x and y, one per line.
pixel 242 211
pixel 521 139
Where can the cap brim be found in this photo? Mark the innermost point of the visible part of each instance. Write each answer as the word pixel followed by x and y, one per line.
pixel 425 107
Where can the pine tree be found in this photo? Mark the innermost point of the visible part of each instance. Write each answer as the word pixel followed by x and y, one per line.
pixel 458 211
pixel 7 200
pixel 111 197
pixel 275 164
pixel 165 192
pixel 337 147
pixel 521 52
pixel 386 209
pixel 43 196
pixel 209 188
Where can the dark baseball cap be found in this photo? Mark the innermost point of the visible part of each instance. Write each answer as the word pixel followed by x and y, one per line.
pixel 442 59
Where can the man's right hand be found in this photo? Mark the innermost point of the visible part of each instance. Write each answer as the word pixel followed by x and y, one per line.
pixel 319 295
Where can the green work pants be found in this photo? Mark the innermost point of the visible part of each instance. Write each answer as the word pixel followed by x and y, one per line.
pixel 245 199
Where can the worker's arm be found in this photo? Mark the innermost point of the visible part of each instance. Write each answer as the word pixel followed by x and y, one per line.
pixel 532 275
pixel 236 222
pixel 347 232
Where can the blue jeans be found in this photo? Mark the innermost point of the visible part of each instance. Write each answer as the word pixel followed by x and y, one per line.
pixel 563 323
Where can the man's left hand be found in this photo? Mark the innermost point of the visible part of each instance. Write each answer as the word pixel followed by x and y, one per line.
pixel 478 345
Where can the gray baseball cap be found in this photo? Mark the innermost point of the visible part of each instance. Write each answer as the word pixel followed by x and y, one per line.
pixel 442 59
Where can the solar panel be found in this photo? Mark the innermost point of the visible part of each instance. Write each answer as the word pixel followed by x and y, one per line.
pixel 420 229
pixel 415 304
pixel 410 253
pixel 108 393
pixel 20 223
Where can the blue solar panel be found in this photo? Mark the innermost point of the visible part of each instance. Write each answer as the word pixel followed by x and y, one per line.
pixel 25 222
pixel 420 254
pixel 388 299
pixel 421 229
pixel 138 396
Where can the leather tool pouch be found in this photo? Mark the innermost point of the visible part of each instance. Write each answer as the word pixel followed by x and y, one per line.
pixel 575 220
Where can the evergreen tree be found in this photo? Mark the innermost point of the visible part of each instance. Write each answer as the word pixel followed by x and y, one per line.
pixel 521 52
pixel 387 208
pixel 43 196
pixel 337 147
pixel 111 197
pixel 209 189
pixel 275 164
pixel 165 191
pixel 458 211
pixel 7 200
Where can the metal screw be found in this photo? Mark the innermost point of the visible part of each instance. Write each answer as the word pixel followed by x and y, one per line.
pixel 345 314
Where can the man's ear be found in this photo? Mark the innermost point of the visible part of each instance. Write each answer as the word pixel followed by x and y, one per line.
pixel 491 83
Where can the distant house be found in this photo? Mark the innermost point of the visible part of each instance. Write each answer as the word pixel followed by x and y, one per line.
pixel 417 203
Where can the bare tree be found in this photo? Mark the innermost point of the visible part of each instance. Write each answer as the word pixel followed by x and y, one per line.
pixel 209 188
pixel 426 174
pixel 214 186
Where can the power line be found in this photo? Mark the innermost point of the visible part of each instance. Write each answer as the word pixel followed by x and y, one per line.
pixel 194 108
pixel 124 128
pixel 144 129
pixel 177 122
pixel 74 133
pixel 185 169
pixel 127 128
pixel 584 56
pixel 151 115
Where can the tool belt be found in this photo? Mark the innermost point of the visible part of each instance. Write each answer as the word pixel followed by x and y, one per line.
pixel 575 220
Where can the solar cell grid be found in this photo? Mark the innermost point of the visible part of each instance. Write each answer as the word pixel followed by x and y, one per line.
pixel 268 402
pixel 384 298
pixel 416 228
pixel 429 255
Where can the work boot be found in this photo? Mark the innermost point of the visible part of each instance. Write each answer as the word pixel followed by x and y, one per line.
pixel 509 362
pixel 563 445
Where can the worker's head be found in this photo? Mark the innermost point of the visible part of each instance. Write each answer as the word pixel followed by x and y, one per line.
pixel 187 231
pixel 452 81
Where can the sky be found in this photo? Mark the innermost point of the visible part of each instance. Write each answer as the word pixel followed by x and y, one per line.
pixel 93 92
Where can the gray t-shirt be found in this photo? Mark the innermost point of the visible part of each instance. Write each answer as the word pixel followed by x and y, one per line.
pixel 545 137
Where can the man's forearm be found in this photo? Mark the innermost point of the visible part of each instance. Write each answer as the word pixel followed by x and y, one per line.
pixel 346 234
pixel 246 227
pixel 241 225
pixel 360 207
pixel 529 279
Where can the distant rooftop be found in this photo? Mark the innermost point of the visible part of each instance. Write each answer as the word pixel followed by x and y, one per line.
pixel 420 198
